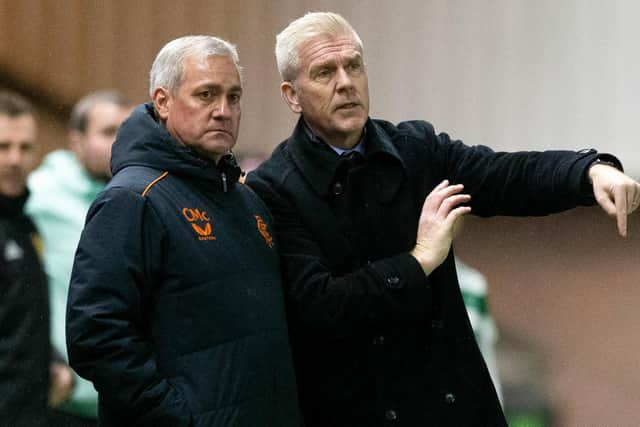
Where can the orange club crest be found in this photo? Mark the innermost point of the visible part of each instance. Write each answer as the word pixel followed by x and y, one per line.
pixel 262 228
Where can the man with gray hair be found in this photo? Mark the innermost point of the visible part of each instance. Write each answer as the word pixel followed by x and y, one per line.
pixel 62 189
pixel 175 309
pixel 364 212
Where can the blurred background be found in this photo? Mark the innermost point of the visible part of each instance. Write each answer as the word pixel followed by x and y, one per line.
pixel 511 74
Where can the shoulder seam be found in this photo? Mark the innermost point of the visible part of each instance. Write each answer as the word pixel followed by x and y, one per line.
pixel 152 183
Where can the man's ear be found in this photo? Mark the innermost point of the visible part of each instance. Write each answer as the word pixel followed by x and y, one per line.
pixel 76 142
pixel 290 96
pixel 162 103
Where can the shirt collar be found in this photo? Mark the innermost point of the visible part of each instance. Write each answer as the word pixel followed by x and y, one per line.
pixel 318 163
pixel 316 139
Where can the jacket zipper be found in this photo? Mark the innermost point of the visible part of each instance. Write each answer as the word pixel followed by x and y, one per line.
pixel 224 182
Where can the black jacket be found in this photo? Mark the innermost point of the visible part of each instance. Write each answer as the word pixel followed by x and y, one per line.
pixel 24 320
pixel 375 342
pixel 175 308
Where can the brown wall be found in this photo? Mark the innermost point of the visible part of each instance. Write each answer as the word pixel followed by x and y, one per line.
pixel 567 283
pixel 59 51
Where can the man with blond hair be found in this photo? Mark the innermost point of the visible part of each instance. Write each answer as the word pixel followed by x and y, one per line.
pixel 364 212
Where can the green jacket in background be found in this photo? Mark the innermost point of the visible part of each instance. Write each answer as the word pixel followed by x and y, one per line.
pixel 473 286
pixel 61 193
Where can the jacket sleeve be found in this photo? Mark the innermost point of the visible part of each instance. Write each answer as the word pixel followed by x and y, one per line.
pixel 325 304
pixel 114 271
pixel 524 183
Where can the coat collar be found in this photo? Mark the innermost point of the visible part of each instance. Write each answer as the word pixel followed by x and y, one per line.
pixel 319 164
pixel 143 141
pixel 11 207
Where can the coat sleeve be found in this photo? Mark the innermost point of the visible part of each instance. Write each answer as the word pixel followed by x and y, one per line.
pixel 114 271
pixel 326 304
pixel 524 183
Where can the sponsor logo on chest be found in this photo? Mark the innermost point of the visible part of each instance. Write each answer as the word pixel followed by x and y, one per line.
pixel 12 251
pixel 200 222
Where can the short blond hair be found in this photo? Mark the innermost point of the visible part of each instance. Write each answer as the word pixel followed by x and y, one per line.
pixel 308 26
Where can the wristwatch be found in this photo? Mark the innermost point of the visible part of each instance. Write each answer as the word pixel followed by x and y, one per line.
pixel 600 161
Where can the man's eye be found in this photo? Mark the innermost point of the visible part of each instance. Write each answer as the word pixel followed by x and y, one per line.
pixel 234 98
pixel 354 66
pixel 205 95
pixel 109 132
pixel 323 73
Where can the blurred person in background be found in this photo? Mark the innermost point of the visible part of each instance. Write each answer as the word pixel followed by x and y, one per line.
pixel 364 212
pixel 175 309
pixel 475 294
pixel 473 286
pixel 62 189
pixel 29 376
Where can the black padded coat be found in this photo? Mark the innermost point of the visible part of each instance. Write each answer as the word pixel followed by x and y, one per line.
pixel 175 309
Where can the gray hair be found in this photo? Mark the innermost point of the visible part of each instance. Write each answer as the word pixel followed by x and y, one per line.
pixel 312 24
pixel 79 119
pixel 167 68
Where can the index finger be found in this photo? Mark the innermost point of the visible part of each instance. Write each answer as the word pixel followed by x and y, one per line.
pixel 442 185
pixel 621 211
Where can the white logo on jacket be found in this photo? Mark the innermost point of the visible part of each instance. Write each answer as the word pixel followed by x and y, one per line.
pixel 12 251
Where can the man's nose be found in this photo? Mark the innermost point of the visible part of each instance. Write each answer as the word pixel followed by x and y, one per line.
pixel 343 79
pixel 222 108
pixel 14 156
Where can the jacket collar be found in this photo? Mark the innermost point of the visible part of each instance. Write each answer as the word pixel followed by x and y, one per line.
pixel 319 164
pixel 11 207
pixel 143 141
